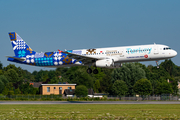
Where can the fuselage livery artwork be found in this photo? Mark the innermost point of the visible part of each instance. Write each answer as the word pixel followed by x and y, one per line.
pixel 111 57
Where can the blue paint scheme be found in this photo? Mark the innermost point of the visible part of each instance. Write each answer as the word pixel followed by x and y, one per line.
pixel 70 51
pixel 22 50
pixel 21 53
pixel 135 57
pixel 139 50
pixel 77 52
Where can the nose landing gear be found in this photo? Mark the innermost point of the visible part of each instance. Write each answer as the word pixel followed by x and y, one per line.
pixel 157 64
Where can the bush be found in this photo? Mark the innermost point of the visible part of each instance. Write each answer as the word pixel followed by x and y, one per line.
pixel 81 90
pixel 142 87
pixel 10 92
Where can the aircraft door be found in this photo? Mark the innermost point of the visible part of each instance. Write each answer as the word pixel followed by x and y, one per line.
pixel 156 51
pixel 121 53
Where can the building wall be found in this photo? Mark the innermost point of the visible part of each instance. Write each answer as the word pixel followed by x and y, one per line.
pixel 55 91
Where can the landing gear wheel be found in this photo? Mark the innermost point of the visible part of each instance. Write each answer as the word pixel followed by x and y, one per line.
pixel 89 70
pixel 95 71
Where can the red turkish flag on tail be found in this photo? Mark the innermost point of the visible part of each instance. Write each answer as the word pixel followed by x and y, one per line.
pixel 59 51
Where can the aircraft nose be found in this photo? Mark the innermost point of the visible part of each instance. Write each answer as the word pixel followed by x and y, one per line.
pixel 174 53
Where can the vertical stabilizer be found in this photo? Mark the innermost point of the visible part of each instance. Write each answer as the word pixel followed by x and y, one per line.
pixel 21 49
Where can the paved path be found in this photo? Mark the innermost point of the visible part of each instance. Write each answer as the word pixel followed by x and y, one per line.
pixel 89 102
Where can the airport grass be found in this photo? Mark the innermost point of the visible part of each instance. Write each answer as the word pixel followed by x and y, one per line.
pixel 90 111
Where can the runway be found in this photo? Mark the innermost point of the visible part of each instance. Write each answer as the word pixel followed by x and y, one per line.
pixel 88 102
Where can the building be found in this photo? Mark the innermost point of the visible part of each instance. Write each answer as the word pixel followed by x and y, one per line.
pixel 90 92
pixel 178 85
pixel 56 89
pixel 69 92
pixel 100 95
pixel 36 84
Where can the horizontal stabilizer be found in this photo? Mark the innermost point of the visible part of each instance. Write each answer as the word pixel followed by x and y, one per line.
pixel 17 58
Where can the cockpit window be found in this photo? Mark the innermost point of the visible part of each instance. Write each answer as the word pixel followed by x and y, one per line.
pixel 167 48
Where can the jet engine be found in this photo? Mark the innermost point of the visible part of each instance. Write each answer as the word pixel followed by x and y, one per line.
pixel 104 63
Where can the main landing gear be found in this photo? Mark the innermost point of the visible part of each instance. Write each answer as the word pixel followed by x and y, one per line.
pixel 89 71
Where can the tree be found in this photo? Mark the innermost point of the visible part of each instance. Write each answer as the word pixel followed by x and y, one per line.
pixel 105 81
pixel 28 76
pixel 11 92
pixel 3 79
pixel 142 87
pixel 1 65
pixel 9 89
pixel 1 86
pixel 147 71
pixel 51 74
pixel 18 70
pixel 13 77
pixel 96 86
pixel 174 85
pixel 45 77
pixel 17 91
pixel 31 90
pixel 120 88
pixel 54 80
pixel 81 90
pixel 1 72
pixel 81 77
pixel 158 74
pixel 169 66
pixel 41 75
pixel 5 91
pixel 130 73
pixel 163 88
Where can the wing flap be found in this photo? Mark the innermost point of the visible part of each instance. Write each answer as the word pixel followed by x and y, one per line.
pixel 84 59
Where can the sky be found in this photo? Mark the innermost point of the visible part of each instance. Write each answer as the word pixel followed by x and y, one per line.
pixel 82 24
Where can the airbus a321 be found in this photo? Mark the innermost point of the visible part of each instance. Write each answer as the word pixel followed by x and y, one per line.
pixel 111 57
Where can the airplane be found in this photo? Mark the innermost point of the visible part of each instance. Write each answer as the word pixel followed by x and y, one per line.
pixel 111 57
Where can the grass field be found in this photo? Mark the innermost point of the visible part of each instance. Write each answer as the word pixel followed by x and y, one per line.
pixel 89 111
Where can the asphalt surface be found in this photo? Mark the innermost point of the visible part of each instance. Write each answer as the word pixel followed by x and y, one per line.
pixel 89 102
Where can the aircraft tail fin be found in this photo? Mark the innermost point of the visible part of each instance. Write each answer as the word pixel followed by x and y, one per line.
pixel 21 49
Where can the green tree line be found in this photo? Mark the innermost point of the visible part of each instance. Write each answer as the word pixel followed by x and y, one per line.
pixel 130 79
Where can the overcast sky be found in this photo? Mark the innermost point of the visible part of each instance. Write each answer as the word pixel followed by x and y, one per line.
pixel 76 24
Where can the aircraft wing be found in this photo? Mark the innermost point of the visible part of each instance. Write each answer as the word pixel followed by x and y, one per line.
pixel 84 59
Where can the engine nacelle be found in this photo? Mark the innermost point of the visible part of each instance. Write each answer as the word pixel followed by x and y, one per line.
pixel 104 63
